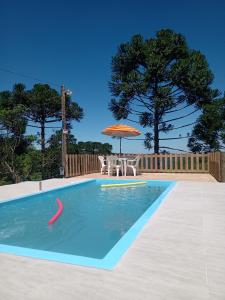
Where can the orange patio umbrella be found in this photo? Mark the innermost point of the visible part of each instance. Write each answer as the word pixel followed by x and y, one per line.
pixel 121 131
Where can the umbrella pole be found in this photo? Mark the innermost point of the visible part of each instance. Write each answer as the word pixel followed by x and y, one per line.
pixel 120 145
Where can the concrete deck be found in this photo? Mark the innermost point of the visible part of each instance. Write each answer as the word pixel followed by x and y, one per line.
pixel 180 254
pixel 28 187
pixel 160 176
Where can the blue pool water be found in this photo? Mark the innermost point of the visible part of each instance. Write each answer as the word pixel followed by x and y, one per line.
pixel 93 221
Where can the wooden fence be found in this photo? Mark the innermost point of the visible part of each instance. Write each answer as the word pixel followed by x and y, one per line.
pixel 213 163
pixel 80 164
pixel 174 163
pixel 217 165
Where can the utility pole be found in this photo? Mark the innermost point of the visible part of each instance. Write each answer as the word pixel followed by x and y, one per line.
pixel 64 130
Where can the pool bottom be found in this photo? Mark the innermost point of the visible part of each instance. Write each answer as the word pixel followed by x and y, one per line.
pixel 112 257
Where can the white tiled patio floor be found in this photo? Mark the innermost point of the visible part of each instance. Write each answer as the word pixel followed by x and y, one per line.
pixel 180 254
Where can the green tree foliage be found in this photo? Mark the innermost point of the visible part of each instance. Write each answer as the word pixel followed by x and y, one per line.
pixel 43 107
pixel 94 148
pixel 209 132
pixel 39 107
pixel 53 152
pixel 74 147
pixel 155 77
pixel 21 159
pixel 14 144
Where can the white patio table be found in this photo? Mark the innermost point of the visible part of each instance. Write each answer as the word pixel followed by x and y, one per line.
pixel 124 165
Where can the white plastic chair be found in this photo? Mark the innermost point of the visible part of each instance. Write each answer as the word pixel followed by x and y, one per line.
pixel 103 164
pixel 133 164
pixel 113 163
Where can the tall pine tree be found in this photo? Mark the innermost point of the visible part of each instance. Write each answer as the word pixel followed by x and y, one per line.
pixel 156 77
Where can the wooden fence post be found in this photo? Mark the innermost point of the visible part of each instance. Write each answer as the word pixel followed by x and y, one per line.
pixel 222 166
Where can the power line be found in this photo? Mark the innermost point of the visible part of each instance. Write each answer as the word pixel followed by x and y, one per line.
pixel 174 119
pixel 172 138
pixel 164 147
pixel 175 128
pixel 183 126
pixel 27 76
pixel 45 127
pixel 175 138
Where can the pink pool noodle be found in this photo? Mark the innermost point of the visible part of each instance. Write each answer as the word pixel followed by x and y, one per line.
pixel 55 217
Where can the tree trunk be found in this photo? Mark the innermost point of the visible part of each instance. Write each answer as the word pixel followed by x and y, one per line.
pixel 156 132
pixel 14 176
pixel 43 149
pixel 17 178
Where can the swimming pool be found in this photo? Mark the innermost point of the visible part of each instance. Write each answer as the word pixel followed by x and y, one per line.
pixel 96 227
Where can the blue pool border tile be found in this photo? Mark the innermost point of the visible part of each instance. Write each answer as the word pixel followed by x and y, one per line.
pixel 114 255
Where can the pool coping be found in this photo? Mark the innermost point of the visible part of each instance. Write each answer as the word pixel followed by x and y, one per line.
pixel 47 190
pixel 117 251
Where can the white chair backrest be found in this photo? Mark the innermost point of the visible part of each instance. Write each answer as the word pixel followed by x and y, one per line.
pixel 113 160
pixel 134 162
pixel 102 161
pixel 137 158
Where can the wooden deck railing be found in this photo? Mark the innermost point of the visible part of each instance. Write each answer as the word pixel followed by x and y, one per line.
pixel 81 164
pixel 213 163
pixel 174 163
pixel 217 165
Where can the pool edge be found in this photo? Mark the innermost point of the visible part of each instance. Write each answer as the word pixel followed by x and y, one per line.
pixel 112 257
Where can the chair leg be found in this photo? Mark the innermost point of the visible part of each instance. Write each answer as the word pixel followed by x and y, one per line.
pixel 135 171
pixel 127 168
pixel 117 171
pixel 104 170
pixel 124 170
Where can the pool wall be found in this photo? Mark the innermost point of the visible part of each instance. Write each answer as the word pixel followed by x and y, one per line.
pixel 114 255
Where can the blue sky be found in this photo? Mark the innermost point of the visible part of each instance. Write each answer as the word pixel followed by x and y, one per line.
pixel 72 42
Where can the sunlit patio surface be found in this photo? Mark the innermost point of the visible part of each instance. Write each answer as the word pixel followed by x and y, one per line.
pixel 180 253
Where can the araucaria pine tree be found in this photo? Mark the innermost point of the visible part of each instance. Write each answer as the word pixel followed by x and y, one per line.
pixel 155 77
